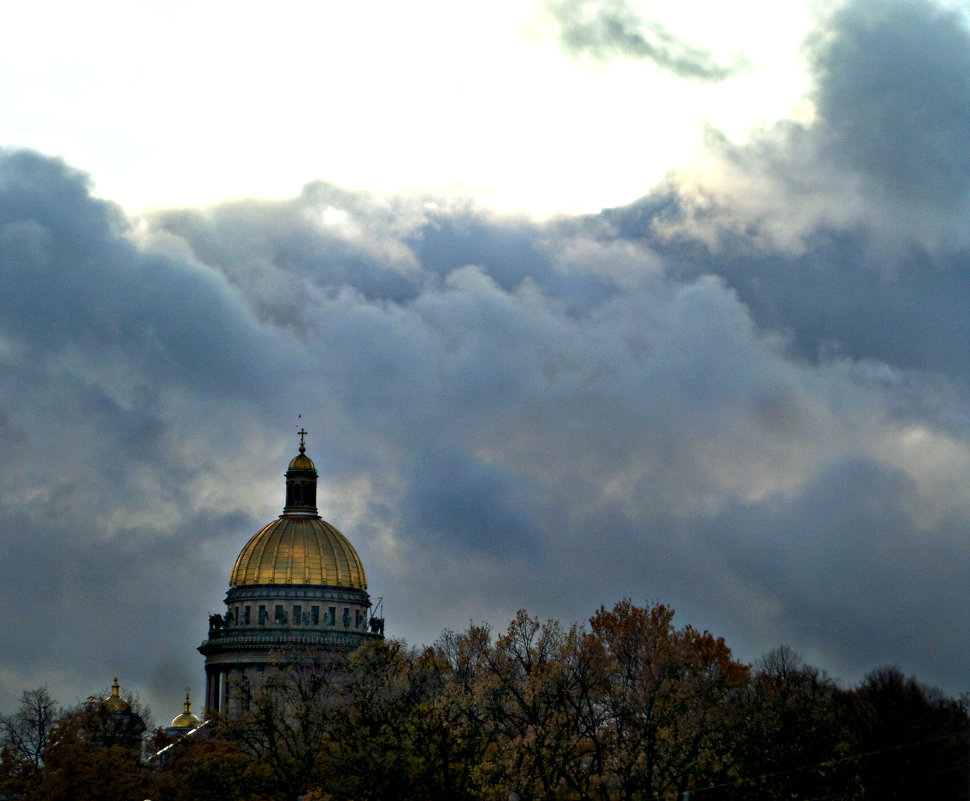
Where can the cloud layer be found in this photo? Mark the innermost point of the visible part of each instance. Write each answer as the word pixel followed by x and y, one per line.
pixel 744 395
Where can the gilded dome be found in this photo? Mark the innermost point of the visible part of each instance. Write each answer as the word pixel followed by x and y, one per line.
pixel 299 550
pixel 186 720
pixel 114 702
pixel 299 547
pixel 301 461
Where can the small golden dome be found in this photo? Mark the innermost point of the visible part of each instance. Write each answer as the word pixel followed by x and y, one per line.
pixel 186 720
pixel 299 550
pixel 114 702
pixel 301 462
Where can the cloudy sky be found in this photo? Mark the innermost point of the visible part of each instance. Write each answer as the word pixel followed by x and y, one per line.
pixel 578 300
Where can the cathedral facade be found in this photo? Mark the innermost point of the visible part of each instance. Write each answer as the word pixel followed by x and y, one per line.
pixel 297 587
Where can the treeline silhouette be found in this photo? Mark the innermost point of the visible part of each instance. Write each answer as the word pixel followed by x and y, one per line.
pixel 626 708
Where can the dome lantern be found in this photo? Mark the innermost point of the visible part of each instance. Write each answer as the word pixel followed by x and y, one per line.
pixel 301 483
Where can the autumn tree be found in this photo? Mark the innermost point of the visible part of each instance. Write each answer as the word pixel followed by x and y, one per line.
pixel 463 717
pixel 666 703
pixel 450 742
pixel 86 759
pixel 377 754
pixel 399 732
pixel 207 766
pixel 28 729
pixel 536 689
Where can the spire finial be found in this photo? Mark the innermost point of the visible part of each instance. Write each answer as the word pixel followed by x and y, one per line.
pixel 188 706
pixel 114 686
pixel 302 432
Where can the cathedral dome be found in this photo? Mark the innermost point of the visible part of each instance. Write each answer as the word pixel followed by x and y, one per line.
pixel 114 702
pixel 298 549
pixel 297 592
pixel 186 720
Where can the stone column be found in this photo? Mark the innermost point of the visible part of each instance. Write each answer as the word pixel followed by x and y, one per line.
pixel 212 689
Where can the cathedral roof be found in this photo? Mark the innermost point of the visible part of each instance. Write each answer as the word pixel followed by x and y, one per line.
pixel 299 547
pixel 299 550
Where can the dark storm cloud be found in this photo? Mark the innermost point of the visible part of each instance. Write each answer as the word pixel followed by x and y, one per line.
pixel 477 507
pixel 891 92
pixel 894 83
pixel 121 602
pixel 307 249
pixel 104 349
pixel 607 30
pixel 834 302
pixel 839 566
pixel 508 251
pixel 504 415
pixel 850 232
pixel 71 278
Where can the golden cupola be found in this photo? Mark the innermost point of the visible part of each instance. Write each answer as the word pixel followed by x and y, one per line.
pixel 186 720
pixel 297 591
pixel 114 702
pixel 299 547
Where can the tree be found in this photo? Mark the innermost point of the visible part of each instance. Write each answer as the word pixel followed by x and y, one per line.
pixel 287 719
pixel 790 734
pixel 28 729
pixel 451 744
pixel 80 765
pixel 24 737
pixel 536 692
pixel 206 766
pixel 376 753
pixel 666 703
pixel 397 735
pixel 912 740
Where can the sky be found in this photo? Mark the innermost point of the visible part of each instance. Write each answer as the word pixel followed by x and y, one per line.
pixel 578 300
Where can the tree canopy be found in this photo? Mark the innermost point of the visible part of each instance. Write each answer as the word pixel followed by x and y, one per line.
pixel 627 708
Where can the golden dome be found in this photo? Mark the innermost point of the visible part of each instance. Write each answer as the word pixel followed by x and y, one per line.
pixel 301 462
pixel 299 549
pixel 186 720
pixel 114 702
